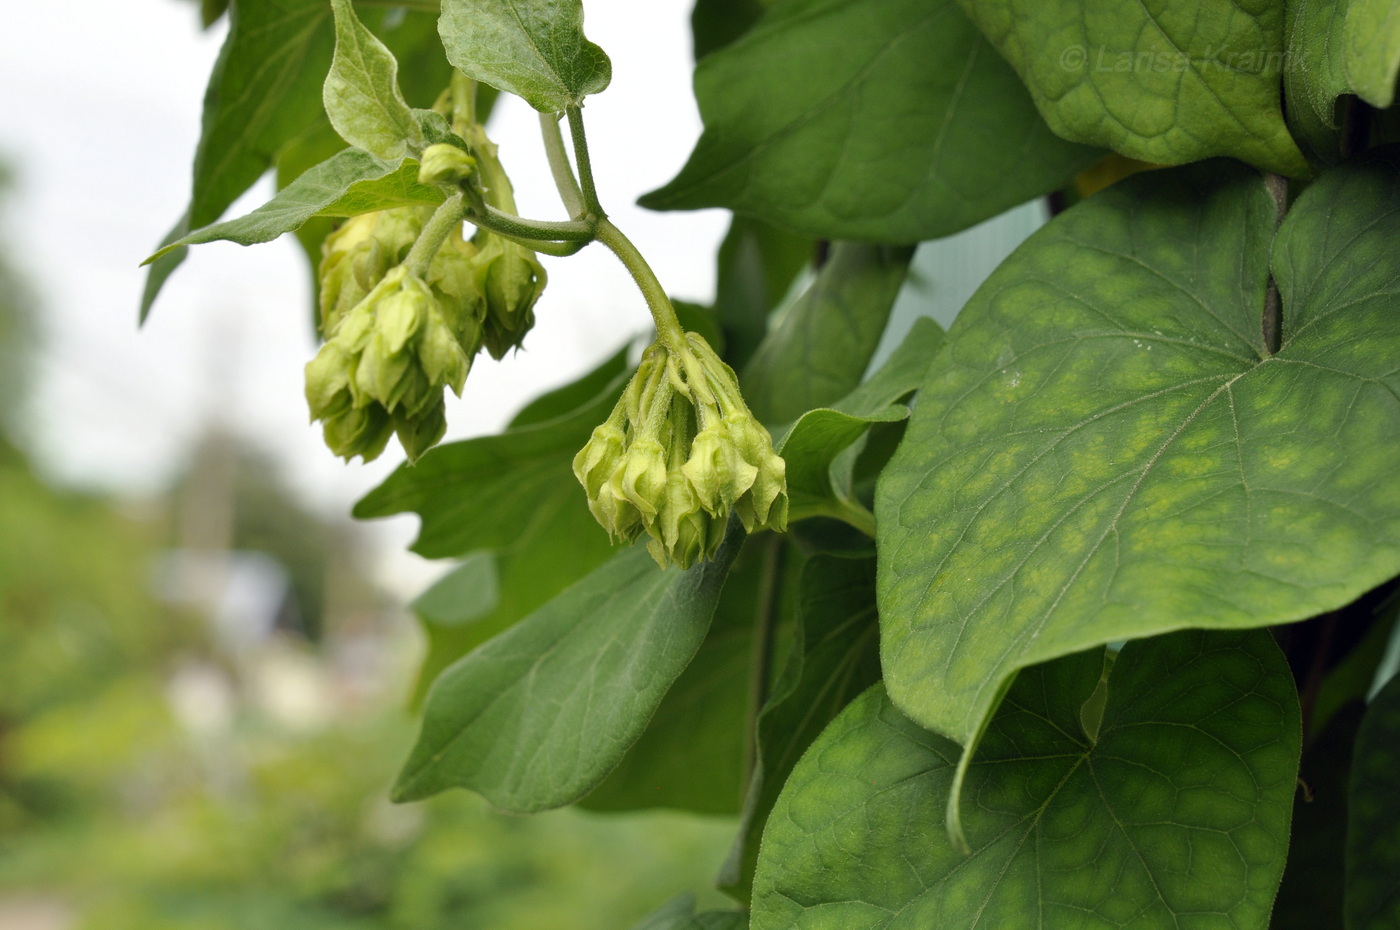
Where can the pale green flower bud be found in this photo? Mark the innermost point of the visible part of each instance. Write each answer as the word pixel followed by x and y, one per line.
pixel 765 504
pixel 362 431
pixel 599 458
pixel 443 163
pixel 716 470
pixel 643 476
pixel 419 433
pixel 687 532
pixel 328 382
pixel 441 356
pixel 511 280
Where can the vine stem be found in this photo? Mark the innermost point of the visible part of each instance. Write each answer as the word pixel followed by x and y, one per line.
pixel 538 230
pixel 668 328
pixel 764 630
pixel 559 165
pixel 585 165
pixel 448 216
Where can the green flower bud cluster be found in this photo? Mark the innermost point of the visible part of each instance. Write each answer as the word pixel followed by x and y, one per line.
pixel 395 339
pixel 678 454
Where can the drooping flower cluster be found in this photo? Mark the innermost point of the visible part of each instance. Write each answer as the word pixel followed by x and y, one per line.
pixel 395 338
pixel 678 454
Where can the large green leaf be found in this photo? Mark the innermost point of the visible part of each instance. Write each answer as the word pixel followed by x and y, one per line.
pixel 694 753
pixel 1164 83
pixel 482 493
pixel 538 716
pixel 515 496
pixel 1105 451
pixel 533 48
pixel 346 184
pixel 1172 812
pixel 1373 818
pixel 362 95
pixel 823 342
pixel 1373 49
pixel 835 656
pixel 883 120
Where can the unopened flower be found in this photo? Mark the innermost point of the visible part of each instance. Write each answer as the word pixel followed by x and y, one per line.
pixel 678 454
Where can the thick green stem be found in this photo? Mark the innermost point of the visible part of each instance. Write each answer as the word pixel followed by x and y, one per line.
pixel 518 227
pixel 668 328
pixel 585 165
pixel 448 216
pixel 559 165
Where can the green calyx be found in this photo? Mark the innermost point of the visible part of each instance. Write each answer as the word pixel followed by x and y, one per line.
pixel 679 453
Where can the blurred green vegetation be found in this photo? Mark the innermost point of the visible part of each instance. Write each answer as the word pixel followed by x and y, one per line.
pixel 150 782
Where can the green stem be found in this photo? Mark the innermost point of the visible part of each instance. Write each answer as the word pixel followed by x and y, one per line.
pixel 668 328
pixel 448 216
pixel 585 166
pixel 848 512
pixel 764 629
pixel 559 164
pixel 509 224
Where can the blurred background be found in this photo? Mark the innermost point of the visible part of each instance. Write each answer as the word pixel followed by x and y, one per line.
pixel 204 663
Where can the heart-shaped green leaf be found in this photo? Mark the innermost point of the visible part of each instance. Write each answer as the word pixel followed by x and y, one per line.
pixel 1105 451
pixel 361 92
pixel 1168 84
pixel 881 120
pixel 1373 817
pixel 538 716
pixel 1172 812
pixel 533 48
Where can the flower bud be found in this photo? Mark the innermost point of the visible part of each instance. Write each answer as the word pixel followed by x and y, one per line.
pixel 765 504
pixel 652 468
pixel 716 470
pixel 643 476
pixel 443 163
pixel 328 382
pixel 600 457
pixel 511 280
pixel 688 533
pixel 362 431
